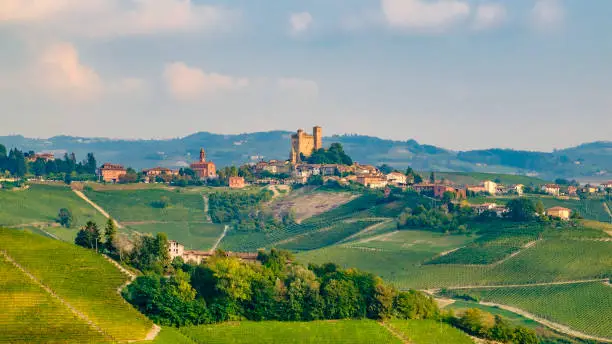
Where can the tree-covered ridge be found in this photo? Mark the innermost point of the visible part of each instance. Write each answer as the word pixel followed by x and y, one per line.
pixel 334 155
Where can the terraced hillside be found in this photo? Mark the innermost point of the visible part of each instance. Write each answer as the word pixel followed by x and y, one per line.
pixel 78 286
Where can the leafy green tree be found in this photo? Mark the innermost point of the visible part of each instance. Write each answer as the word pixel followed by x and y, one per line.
pixel 539 208
pixel 162 249
pixel 90 164
pixel 521 209
pixel 418 179
pixel 110 234
pixel 501 331
pixel 414 305
pixel 89 236
pixel 38 167
pixel 16 163
pixel 386 169
pixel 523 335
pixel 432 177
pixel 341 299
pixel 64 217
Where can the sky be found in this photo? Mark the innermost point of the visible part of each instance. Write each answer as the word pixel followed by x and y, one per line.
pixel 461 74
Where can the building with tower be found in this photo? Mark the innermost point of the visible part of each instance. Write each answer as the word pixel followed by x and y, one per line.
pixel 204 169
pixel 304 144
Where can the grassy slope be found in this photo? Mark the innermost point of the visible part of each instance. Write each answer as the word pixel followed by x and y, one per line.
pixel 29 314
pixel 584 307
pixel 429 332
pixel 41 203
pixel 341 331
pixel 81 277
pixel 517 320
pixel 196 236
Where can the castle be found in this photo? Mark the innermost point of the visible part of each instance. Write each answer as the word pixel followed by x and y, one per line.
pixel 204 169
pixel 304 144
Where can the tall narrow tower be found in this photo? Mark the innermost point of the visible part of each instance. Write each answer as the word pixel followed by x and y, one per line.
pixel 317 132
pixel 202 155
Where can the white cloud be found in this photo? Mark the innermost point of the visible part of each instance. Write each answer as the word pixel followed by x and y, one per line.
pixel 300 22
pixel 424 15
pixel 489 16
pixel 190 83
pixel 59 71
pixel 547 14
pixel 117 17
pixel 127 86
pixel 299 87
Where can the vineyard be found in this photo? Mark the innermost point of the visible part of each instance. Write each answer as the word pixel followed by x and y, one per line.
pixel 41 203
pixel 327 236
pixel 29 314
pixel 586 307
pixel 81 277
pixel 194 235
pixel 341 331
pixel 429 332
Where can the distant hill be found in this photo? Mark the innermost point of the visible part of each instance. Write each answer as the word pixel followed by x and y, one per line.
pixel 587 161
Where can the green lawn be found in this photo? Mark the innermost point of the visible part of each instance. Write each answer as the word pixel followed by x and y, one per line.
pixel 319 332
pixel 138 205
pixel 41 203
pixel 196 236
pixel 429 332
pixel 30 315
pixel 81 277
pixel 585 307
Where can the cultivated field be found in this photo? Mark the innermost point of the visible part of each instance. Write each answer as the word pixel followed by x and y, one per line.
pixel 194 235
pixel 428 332
pixel 31 315
pixel 341 331
pixel 40 204
pixel 586 307
pixel 306 204
pixel 81 278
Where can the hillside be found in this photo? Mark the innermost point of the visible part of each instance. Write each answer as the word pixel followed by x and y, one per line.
pixel 588 161
pixel 73 292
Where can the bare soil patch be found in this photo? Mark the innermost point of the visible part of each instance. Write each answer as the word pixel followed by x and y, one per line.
pixel 305 204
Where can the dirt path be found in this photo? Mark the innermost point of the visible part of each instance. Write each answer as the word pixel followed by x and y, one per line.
pixel 366 230
pixel 33 224
pixel 394 332
pixel 558 327
pixel 54 295
pixel 97 207
pixel 214 248
pixel 206 212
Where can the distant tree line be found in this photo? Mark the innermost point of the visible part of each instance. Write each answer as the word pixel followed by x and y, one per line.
pixel 17 163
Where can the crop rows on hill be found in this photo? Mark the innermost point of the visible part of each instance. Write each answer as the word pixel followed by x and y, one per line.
pixel 29 314
pixel 327 237
pixel 81 277
pixel 586 307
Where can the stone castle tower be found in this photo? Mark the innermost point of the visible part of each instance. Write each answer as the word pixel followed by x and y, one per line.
pixel 304 144
pixel 202 155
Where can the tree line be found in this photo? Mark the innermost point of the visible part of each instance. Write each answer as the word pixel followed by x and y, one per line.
pixel 19 164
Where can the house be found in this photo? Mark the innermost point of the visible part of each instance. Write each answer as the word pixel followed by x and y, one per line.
pixel 590 189
pixel 397 178
pixel 329 169
pixel 44 156
pixel 559 212
pixel 572 190
pixel 606 185
pixel 372 181
pixel 365 169
pixel 481 208
pixel 111 173
pixel 552 189
pixel 476 189
pixel 518 189
pixel 158 171
pixel 236 182
pixel 490 187
pixel 438 190
pixel 204 169
pixel 176 249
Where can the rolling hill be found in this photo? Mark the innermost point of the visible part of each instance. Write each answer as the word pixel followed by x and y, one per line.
pixel 587 161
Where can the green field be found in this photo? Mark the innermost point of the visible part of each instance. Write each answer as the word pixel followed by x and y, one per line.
pixel 585 307
pixel 81 277
pixel 41 203
pixel 460 306
pixel 30 315
pixel 429 332
pixel 327 236
pixel 194 235
pixel 340 331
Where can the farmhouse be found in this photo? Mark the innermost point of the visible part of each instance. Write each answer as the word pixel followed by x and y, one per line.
pixel 606 185
pixel 397 178
pixel 572 190
pixel 481 208
pixel 372 181
pixel 111 173
pixel 552 189
pixel 158 171
pixel 176 249
pixel 490 187
pixel 303 144
pixel 236 182
pixel 44 156
pixel 204 169
pixel 438 190
pixel 559 212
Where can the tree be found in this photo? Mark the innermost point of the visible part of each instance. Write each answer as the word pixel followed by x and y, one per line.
pixel 418 179
pixel 64 217
pixel 523 335
pixel 539 208
pixel 110 234
pixel 38 167
pixel 162 249
pixel 521 209
pixel 90 164
pixel 432 177
pixel 385 169
pixel 89 236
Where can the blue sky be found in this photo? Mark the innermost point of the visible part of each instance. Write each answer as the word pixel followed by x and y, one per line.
pixel 462 74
